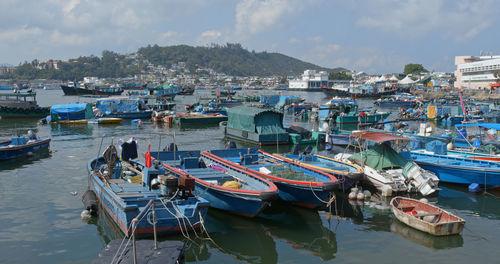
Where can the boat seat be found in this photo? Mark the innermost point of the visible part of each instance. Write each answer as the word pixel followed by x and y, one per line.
pixel 208 174
pixel 426 214
pixel 406 208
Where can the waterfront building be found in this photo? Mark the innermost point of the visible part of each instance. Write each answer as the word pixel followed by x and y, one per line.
pixel 476 72
pixel 310 80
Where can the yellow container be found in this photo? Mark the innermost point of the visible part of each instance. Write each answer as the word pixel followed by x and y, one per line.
pixel 431 111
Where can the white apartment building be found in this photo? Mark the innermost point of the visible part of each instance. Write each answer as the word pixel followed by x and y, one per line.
pixel 476 72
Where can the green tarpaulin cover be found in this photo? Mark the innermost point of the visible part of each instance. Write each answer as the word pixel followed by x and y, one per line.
pixel 251 119
pixel 379 157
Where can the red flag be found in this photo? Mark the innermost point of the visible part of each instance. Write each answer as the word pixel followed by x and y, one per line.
pixel 148 157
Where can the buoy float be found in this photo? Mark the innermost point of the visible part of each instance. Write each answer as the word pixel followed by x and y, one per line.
pixel 367 194
pixel 474 188
pixel 353 195
pixel 360 196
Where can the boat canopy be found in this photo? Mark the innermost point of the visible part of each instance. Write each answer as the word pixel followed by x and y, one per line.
pixel 495 126
pixel 378 137
pixel 251 119
pixel 71 111
pixel 118 104
pixel 380 157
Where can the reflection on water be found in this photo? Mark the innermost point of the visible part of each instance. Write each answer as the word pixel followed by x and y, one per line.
pixel 71 130
pixel 458 198
pixel 424 239
pixel 12 164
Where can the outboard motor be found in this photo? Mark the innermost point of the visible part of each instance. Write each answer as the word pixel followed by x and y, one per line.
pixel 169 185
pixel 230 145
pixel 89 200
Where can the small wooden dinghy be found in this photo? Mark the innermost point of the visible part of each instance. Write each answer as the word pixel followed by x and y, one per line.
pixel 426 217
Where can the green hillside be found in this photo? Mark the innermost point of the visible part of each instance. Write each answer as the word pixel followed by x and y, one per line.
pixel 231 59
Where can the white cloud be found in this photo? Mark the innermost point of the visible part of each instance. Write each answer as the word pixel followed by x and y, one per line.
pixel 20 33
pixel 254 16
pixel 209 36
pixel 59 39
pixel 293 41
pixel 316 38
pixel 457 20
pixel 331 48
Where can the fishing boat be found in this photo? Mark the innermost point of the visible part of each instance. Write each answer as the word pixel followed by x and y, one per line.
pixel 122 107
pixel 450 168
pixel 90 89
pixel 327 164
pixel 426 217
pixel 127 190
pixel 226 187
pixel 386 169
pixel 255 125
pixel 344 114
pixel 22 146
pixel 301 136
pixel 398 100
pixel 21 105
pixel 300 185
pixel 195 118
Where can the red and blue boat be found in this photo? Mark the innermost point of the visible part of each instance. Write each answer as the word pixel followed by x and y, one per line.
pixel 22 146
pixel 227 187
pixel 300 185
pixel 126 189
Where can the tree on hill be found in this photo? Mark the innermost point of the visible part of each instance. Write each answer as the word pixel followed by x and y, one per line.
pixel 496 74
pixel 413 68
pixel 341 75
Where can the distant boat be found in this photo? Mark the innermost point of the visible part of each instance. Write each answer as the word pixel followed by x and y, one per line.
pixel 122 107
pixel 426 217
pixel 345 115
pixel 22 146
pixel 21 105
pixel 91 90
pixel 256 125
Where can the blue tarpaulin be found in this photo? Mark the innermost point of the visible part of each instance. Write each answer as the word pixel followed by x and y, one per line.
pixel 71 111
pixel 495 126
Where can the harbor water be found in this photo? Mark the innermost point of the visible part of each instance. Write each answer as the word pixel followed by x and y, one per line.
pixel 40 205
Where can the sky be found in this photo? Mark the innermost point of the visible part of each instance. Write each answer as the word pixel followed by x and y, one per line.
pixel 374 36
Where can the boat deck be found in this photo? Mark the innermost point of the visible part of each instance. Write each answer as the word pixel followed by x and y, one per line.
pixel 421 156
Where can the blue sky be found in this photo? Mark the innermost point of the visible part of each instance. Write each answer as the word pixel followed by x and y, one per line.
pixel 376 36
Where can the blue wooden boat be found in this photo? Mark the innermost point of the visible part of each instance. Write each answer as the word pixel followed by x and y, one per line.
pixel 21 146
pixel 125 189
pixel 457 169
pixel 327 164
pixel 226 187
pixel 123 107
pixel 297 184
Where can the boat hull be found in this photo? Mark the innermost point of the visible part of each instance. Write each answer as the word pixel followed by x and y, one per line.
pixel 341 93
pixel 23 150
pixel 440 223
pixel 476 171
pixel 68 90
pixel 11 113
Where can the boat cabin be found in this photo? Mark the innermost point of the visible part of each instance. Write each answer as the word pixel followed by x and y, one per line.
pixel 18 100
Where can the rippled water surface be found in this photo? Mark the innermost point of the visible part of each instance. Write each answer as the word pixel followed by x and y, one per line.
pixel 40 215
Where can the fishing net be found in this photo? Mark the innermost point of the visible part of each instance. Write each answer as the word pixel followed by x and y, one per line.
pixel 286 172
